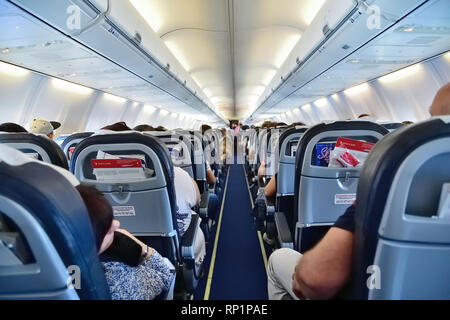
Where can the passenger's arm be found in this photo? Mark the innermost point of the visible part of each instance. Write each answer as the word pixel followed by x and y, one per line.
pixel 197 192
pixel 271 189
pixel 325 269
pixel 143 245
pixel 262 169
pixel 210 178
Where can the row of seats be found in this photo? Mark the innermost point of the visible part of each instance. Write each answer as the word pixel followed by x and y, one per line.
pixel 53 212
pixel 400 191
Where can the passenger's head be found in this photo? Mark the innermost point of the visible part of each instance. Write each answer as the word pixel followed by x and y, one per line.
pixel 407 123
pixel 101 216
pixel 298 124
pixel 119 126
pixel 160 128
pixel 42 126
pixel 266 125
pixel 364 115
pixel 441 102
pixel 12 128
pixel 143 128
pixel 205 128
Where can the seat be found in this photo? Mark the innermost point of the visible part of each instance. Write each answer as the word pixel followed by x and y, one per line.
pixel 322 193
pixel 398 235
pixel 71 142
pixel 288 143
pixel 36 146
pixel 147 207
pixel 42 238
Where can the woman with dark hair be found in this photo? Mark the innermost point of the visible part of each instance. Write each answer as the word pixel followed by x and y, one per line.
pixel 119 126
pixel 12 128
pixel 143 128
pixel 133 270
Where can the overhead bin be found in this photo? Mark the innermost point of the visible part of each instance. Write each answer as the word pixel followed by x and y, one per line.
pixel 339 29
pixel 115 30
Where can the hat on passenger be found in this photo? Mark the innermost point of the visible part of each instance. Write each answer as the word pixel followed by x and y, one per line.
pixel 42 126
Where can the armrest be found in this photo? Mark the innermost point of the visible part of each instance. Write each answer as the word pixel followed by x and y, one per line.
pixel 283 231
pixel 261 183
pixel 212 187
pixel 204 201
pixel 187 243
pixel 270 205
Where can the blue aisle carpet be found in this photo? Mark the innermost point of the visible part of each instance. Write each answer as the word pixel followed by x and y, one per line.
pixel 239 272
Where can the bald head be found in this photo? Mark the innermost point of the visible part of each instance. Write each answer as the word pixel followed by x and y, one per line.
pixel 441 102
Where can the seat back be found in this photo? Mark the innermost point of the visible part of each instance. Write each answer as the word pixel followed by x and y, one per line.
pixel 145 207
pixel 71 142
pixel 322 193
pixel 37 147
pixel 288 143
pixel 179 149
pixel 45 235
pixel 401 243
pixel 392 126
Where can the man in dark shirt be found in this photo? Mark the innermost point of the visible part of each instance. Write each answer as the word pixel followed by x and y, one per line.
pixel 323 271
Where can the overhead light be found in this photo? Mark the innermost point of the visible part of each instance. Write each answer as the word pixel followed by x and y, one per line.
pixel 174 115
pixel 321 102
pixel 408 29
pixel 149 12
pixel 149 109
pixel 357 89
pixel 400 74
pixel 163 112
pixel 13 70
pixel 447 55
pixel 5 51
pixel 354 61
pixel 335 96
pixel 307 107
pixel 71 87
pixel 296 110
pixel 114 98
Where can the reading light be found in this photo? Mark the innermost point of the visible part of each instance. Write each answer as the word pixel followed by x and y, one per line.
pixel 71 87
pixel 150 14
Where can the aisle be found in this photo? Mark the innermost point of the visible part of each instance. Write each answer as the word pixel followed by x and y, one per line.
pixel 239 272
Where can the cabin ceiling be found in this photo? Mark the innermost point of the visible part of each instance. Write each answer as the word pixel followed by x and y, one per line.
pixel 232 49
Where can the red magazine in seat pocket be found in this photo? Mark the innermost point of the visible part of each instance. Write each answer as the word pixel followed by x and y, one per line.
pixel 116 163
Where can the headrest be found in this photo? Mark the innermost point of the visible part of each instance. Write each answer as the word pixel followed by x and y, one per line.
pixel 75 136
pixel 374 186
pixel 51 148
pixel 55 203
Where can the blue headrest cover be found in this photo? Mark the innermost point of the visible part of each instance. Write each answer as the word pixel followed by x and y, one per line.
pixel 55 153
pixel 373 189
pixel 57 205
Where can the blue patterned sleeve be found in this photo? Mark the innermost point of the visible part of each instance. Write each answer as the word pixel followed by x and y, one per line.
pixel 144 282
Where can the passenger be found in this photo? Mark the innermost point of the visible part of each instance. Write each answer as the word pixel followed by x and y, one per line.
pixel 133 270
pixel 160 128
pixel 322 272
pixel 214 202
pixel 12 128
pixel 42 126
pixel 188 196
pixel 407 123
pixel 143 128
pixel 119 126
